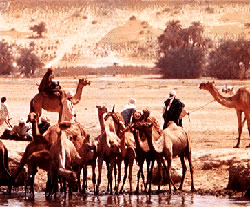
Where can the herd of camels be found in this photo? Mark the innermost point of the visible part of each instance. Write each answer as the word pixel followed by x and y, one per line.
pixel 65 150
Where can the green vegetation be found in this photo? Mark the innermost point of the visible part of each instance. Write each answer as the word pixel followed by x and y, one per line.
pixel 39 29
pixel 182 51
pixel 28 62
pixel 6 58
pixel 230 60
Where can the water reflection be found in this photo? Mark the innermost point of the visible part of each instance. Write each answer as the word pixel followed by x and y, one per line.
pixel 163 199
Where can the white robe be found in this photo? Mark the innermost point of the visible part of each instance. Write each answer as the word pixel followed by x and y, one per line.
pixel 4 113
pixel 68 112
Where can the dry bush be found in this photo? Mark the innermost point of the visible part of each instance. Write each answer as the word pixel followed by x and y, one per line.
pixel 239 177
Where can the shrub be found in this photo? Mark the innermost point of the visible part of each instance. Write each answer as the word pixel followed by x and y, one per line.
pixel 179 63
pixel 6 58
pixel 225 61
pixel 39 29
pixel 182 51
pixel 28 62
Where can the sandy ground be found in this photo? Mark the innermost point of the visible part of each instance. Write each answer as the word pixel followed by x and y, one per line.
pixel 212 127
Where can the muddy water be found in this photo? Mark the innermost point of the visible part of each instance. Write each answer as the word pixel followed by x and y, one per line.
pixel 122 200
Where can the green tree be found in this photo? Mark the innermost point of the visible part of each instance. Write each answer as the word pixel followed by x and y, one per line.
pixel 6 58
pixel 225 61
pixel 28 62
pixel 182 50
pixel 39 29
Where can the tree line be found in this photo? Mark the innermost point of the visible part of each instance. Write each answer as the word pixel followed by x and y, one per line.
pixel 184 53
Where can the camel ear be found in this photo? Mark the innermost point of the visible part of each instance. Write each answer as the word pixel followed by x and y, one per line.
pixel 113 110
pixel 98 107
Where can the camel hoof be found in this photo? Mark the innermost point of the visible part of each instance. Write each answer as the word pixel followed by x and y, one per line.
pixel 236 146
pixel 248 146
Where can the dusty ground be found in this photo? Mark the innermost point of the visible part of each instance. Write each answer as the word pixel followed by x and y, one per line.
pixel 212 127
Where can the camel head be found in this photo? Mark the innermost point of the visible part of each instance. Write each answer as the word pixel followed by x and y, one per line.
pixel 32 117
pixel 143 127
pixel 207 86
pixel 102 109
pixel 84 82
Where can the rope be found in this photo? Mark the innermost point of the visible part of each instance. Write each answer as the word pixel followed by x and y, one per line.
pixel 202 106
pixel 199 109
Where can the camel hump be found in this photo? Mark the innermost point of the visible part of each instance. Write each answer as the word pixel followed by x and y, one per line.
pixel 65 125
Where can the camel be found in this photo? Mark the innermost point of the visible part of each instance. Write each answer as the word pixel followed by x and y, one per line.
pixel 41 159
pixel 4 164
pixel 107 149
pixel 114 122
pixel 240 102
pixel 144 151
pixel 88 154
pixel 64 156
pixel 172 142
pixel 52 102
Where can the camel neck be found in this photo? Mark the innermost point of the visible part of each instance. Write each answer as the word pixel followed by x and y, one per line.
pixel 224 101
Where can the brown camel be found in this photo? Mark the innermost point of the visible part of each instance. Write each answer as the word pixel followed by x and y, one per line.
pixel 172 142
pixel 4 164
pixel 114 122
pixel 107 149
pixel 240 102
pixel 52 102
pixel 88 154
pixel 64 156
pixel 41 159
pixel 35 149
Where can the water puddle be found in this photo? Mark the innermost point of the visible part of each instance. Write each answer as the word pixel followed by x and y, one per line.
pixel 122 200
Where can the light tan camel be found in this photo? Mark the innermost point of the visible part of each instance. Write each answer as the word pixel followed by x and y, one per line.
pixel 240 102
pixel 107 149
pixel 64 156
pixel 74 130
pixel 52 102
pixel 172 142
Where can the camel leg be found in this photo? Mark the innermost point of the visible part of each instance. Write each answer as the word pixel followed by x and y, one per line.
pixel 112 164
pixel 108 171
pixel 131 163
pixel 247 117
pixel 159 174
pixel 93 175
pixel 169 160
pixel 191 171
pixel 125 174
pixel 138 179
pixel 84 183
pixel 100 162
pixel 239 115
pixel 150 169
pixel 115 175
pixel 184 169
pixel 119 176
